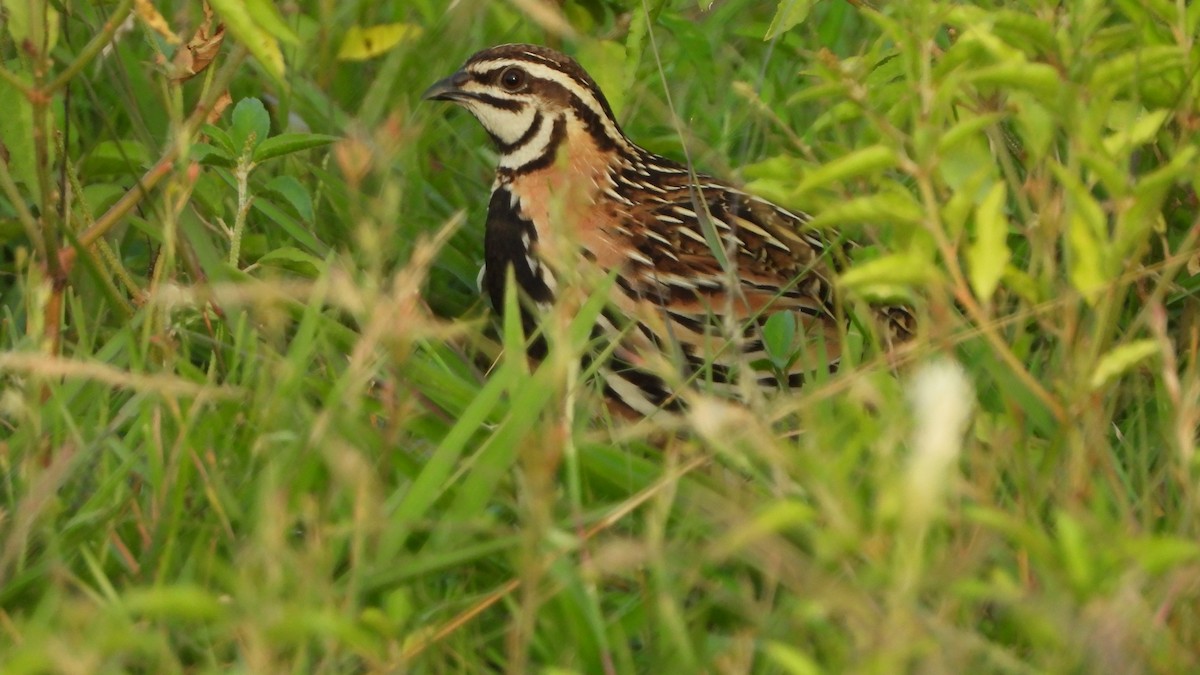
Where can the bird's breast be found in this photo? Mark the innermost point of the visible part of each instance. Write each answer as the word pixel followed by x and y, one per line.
pixel 570 205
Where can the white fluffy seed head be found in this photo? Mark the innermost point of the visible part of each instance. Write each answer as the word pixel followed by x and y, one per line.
pixel 942 399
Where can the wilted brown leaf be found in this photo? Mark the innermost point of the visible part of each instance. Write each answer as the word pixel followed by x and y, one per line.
pixel 199 52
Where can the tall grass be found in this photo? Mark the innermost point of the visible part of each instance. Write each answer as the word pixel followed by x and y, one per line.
pixel 254 417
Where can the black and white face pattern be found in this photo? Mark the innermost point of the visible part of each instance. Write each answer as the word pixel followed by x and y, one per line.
pixel 529 98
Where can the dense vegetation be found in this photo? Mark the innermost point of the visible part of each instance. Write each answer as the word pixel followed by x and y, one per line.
pixel 253 416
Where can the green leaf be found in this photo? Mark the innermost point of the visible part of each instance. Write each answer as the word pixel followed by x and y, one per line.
pixel 251 125
pixel 791 660
pixel 16 130
pixel 605 60
pixel 297 231
pixel 1036 125
pixel 1036 78
pixel 294 260
pixel 221 140
pixel 362 43
pixel 969 127
pixel 512 327
pixel 968 162
pixel 961 204
pixel 530 396
pixel 896 207
pixel 245 29
pixel 1087 268
pixel 1087 236
pixel 99 196
pixel 988 253
pixel 210 155
pixel 857 163
pixel 879 277
pixel 1135 224
pixel 182 601
pixel 775 177
pixel 21 26
pixel 635 42
pixel 1121 359
pixel 1136 134
pixel 788 13
pixel 1077 559
pixel 285 144
pixel 266 16
pixel 1126 69
pixel 1025 31
pixel 115 157
pixel 779 336
pixel 1160 554
pixel 294 193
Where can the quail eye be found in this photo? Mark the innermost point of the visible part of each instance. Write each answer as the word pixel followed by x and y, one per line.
pixel 512 79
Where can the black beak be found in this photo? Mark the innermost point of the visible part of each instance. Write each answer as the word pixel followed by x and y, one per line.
pixel 448 89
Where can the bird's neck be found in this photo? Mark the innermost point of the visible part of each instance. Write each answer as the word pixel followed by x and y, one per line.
pixel 571 139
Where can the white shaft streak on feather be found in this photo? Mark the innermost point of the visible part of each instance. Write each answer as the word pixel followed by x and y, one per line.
pixel 639 257
pixel 629 393
pixel 692 234
pixel 657 236
pixel 753 227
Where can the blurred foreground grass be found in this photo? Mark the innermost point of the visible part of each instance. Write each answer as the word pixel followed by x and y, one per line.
pixel 251 427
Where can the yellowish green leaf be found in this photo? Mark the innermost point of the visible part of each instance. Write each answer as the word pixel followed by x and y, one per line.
pixel 1034 123
pixel 1086 268
pixel 1087 236
pixel 882 276
pixel 860 162
pixel 1145 214
pixel 791 660
pixel 1141 64
pixel 21 15
pixel 777 517
pixel 605 61
pixel 988 252
pixel 788 13
pixel 968 127
pixel 1138 133
pixel 16 131
pixel 896 207
pixel 362 43
pixel 1121 359
pixel 1036 78
pixel 969 166
pixel 266 16
pixel 257 39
